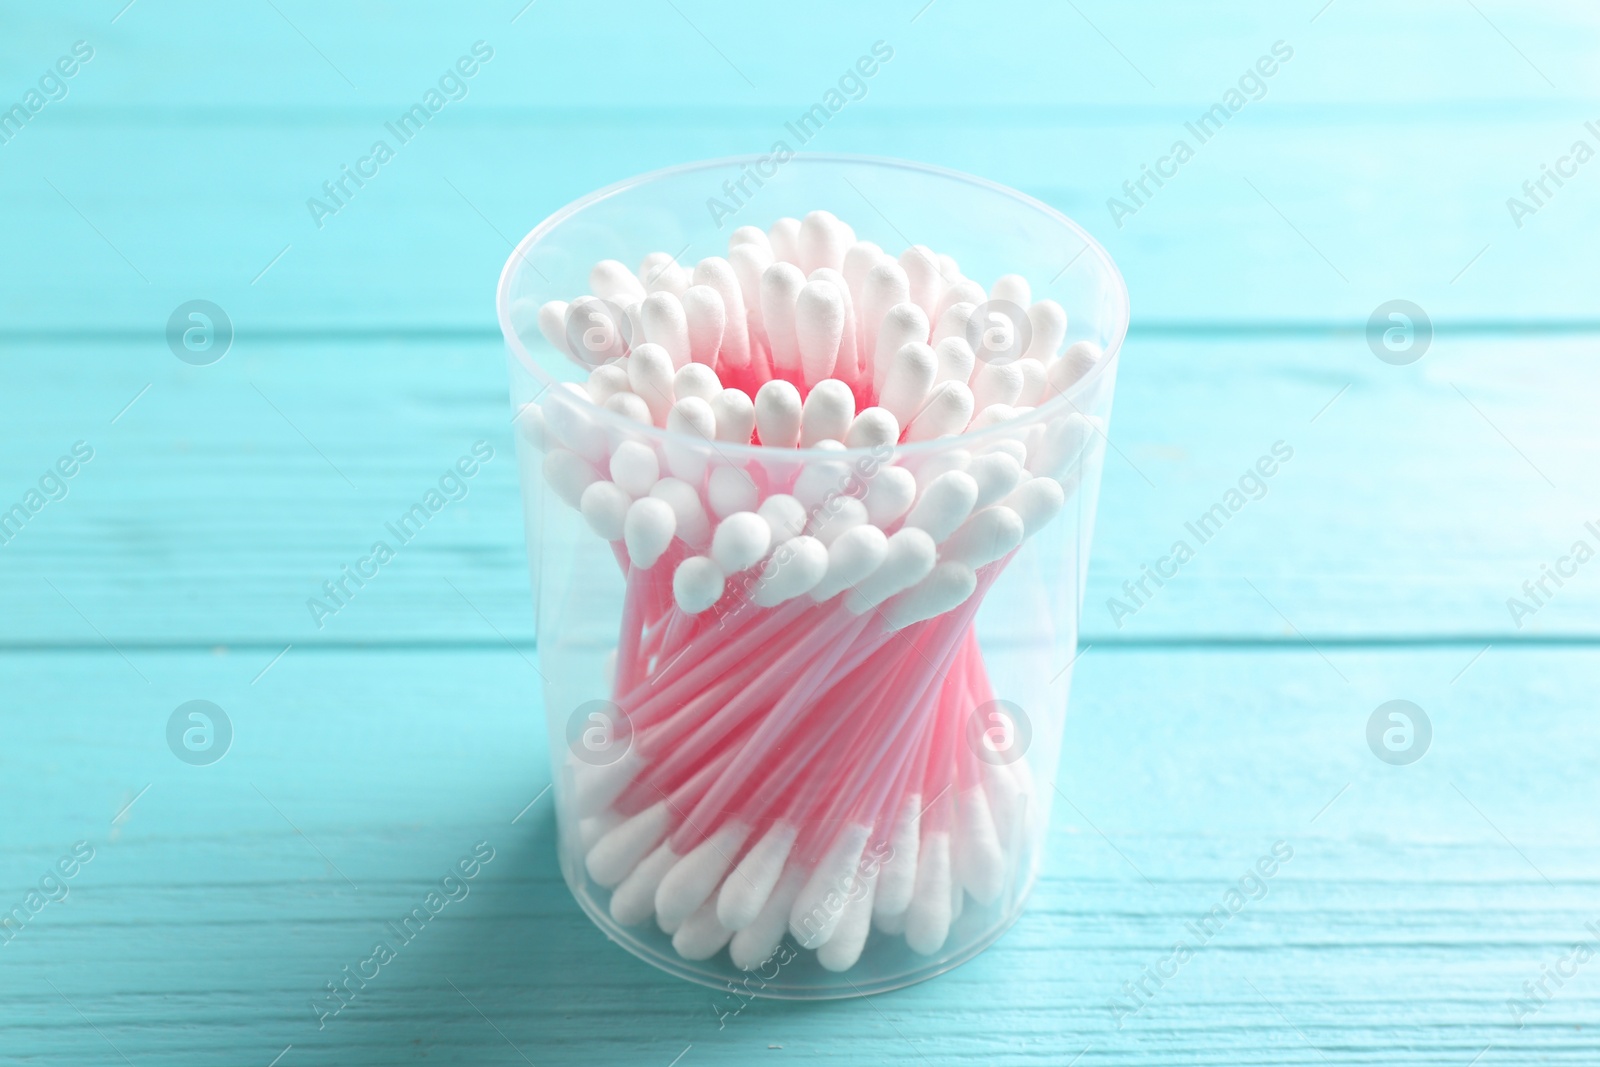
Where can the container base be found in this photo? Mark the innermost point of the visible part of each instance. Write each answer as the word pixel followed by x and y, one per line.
pixel 795 974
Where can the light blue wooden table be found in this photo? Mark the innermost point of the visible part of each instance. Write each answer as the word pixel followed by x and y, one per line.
pixel 1425 906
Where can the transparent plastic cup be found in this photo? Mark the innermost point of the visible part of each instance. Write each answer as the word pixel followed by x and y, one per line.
pixel 709 737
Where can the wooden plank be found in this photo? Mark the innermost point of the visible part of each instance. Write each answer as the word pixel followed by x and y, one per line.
pixel 217 504
pixel 1293 216
pixel 325 56
pixel 1397 933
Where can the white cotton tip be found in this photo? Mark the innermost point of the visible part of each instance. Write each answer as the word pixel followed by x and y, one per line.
pixel 889 495
pixel 786 515
pixel 822 241
pixel 898 877
pixel 605 507
pixel 758 939
pixel 909 557
pixel 1012 288
pixel 993 415
pixel 553 325
pixel 819 328
pixel 568 419
pixel 854 555
pixel 784 237
pixel 635 468
pixel 780 293
pixel 885 287
pixel 568 475
pixel 843 949
pixel 903 324
pixel 976 860
pixel 647 530
pixel 891 925
pixel 964 291
pixel 662 273
pixel 749 235
pixel 822 480
pixel 958 896
pixel 718 275
pixel 996 383
pixel 1011 447
pixel 778 413
pixel 836 516
pixel 928 917
pixel 697 584
pixel 749 263
pixel 692 418
pixel 820 905
pixel 946 586
pixel 741 541
pixel 594 332
pixel 594 788
pixel 794 568
pixel 696 380
pixel 1063 444
pixel 701 936
pixel 984 538
pixel 826 413
pixel 692 880
pixel 953 360
pixel 665 324
pixel 1034 380
pixel 650 373
pixel 745 891
pixel 944 504
pixel 906 384
pixel 667 928
pixel 619 851
pixel 605 382
pixel 860 258
pixel 947 411
pixel 997 473
pixel 693 525
pixel 634 899
pixel 1075 363
pixel 1007 805
pixel 633 324
pixel 735 413
pixel 954 322
pixel 872 428
pixel 592 828
pixel 1036 502
pixel 611 280
pixel 731 489
pixel 532 428
pixel 949 459
pixel 921 265
pixel 705 319
pixel 1049 322
pixel 630 406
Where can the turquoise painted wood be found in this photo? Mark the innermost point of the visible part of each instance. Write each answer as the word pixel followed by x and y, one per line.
pixel 1224 715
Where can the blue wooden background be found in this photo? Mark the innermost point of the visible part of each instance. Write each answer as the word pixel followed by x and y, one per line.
pixel 1227 714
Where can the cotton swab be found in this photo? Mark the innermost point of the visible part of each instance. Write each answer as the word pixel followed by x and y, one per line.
pixel 827 413
pixel 666 324
pixel 796 656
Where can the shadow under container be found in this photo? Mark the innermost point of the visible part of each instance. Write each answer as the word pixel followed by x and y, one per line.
pixel 813 776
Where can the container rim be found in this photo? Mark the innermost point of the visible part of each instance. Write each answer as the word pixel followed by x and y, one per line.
pixel 1052 409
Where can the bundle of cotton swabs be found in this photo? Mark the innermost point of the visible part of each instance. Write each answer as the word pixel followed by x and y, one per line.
pixel 797 668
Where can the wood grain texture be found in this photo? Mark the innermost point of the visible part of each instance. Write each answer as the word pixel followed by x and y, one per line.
pixel 1226 714
pixel 217 905
pixel 226 495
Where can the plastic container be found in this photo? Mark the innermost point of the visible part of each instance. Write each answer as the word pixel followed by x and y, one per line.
pixel 980 689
